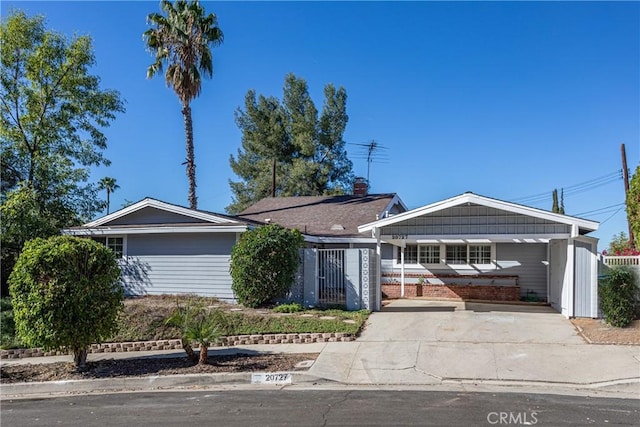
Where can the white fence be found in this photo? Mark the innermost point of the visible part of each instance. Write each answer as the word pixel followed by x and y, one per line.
pixel 613 261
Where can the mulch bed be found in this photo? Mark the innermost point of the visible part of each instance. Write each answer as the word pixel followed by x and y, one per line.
pixel 152 366
pixel 596 331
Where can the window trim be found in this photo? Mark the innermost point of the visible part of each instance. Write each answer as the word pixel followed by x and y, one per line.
pixel 106 243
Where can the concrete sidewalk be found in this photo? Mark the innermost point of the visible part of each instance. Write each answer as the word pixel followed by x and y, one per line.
pixel 427 342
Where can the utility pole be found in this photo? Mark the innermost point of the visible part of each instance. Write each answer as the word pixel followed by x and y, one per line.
pixel 625 178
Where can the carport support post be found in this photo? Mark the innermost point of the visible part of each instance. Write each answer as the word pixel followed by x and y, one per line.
pixel 376 234
pixel 401 271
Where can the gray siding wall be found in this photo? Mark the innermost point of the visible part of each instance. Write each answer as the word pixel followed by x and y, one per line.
pixel 526 260
pixel 154 216
pixel 179 264
pixel 473 220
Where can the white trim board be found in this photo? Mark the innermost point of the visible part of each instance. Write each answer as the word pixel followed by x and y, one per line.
pixel 483 201
pixel 157 204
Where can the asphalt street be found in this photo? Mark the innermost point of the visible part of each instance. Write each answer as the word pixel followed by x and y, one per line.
pixel 319 408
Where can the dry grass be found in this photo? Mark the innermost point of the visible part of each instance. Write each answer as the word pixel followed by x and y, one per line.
pixel 596 331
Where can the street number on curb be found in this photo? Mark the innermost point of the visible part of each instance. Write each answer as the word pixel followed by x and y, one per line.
pixel 271 378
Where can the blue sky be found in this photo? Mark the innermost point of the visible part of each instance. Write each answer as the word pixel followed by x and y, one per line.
pixel 505 99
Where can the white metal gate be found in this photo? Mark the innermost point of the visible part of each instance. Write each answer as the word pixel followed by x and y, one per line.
pixel 331 281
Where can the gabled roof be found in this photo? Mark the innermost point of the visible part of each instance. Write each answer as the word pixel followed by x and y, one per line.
pixel 323 215
pixel 584 225
pixel 201 216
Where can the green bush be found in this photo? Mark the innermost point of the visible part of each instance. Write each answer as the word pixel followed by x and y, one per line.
pixel 618 296
pixel 294 307
pixel 8 337
pixel 66 293
pixel 264 263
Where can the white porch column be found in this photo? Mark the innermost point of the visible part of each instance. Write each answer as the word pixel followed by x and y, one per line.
pixel 401 271
pixel 376 234
pixel 568 291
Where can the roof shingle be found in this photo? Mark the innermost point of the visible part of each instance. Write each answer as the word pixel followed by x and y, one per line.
pixel 320 215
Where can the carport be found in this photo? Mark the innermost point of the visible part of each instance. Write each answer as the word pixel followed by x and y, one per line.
pixel 476 247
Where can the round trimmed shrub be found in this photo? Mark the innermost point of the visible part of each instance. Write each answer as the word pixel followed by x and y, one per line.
pixel 66 294
pixel 264 264
pixel 618 296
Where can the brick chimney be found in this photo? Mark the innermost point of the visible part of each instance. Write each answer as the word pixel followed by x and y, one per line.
pixel 360 187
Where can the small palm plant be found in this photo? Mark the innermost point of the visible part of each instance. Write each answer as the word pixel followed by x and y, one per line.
pixel 196 324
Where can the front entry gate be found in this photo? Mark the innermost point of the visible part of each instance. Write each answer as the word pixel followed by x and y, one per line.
pixel 331 280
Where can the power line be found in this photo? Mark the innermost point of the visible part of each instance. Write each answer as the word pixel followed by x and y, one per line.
pixel 575 188
pixel 606 209
pixel 614 214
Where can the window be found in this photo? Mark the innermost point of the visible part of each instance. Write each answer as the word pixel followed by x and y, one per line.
pixel 479 254
pixel 429 254
pixel 116 244
pixel 456 254
pixel 453 254
pixel 410 255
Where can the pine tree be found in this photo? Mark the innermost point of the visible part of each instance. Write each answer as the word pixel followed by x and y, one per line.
pixel 286 140
pixel 555 208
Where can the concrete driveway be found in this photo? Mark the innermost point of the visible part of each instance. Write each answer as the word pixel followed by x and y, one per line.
pixel 432 342
pixel 457 321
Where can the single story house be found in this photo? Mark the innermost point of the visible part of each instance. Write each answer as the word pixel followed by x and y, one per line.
pixel 169 249
pixel 468 246
pixel 471 246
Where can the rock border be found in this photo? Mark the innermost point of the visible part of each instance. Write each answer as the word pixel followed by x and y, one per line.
pixel 176 344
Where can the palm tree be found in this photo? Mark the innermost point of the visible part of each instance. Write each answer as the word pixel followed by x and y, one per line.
pixel 110 185
pixel 181 39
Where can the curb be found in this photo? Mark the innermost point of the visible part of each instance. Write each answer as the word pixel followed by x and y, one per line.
pixel 300 378
pixel 132 384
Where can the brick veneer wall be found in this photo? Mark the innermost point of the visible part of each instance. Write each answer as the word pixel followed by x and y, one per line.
pixel 480 292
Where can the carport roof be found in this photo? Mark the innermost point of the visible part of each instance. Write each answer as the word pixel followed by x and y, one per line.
pixel 584 226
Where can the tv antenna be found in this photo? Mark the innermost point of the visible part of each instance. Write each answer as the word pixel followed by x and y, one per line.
pixel 371 151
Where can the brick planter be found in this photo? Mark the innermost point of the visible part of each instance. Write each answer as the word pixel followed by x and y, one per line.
pixel 452 291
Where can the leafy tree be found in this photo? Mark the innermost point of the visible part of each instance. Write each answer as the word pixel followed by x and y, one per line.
pixel 24 219
pixel 633 206
pixel 620 246
pixel 264 263
pixel 66 294
pixel 52 112
pixel 286 149
pixel 181 39
pixel 108 184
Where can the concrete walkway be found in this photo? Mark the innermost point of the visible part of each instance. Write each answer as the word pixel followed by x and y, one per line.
pixel 427 342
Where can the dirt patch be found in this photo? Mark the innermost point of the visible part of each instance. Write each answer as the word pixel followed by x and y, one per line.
pixel 596 331
pixel 153 366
